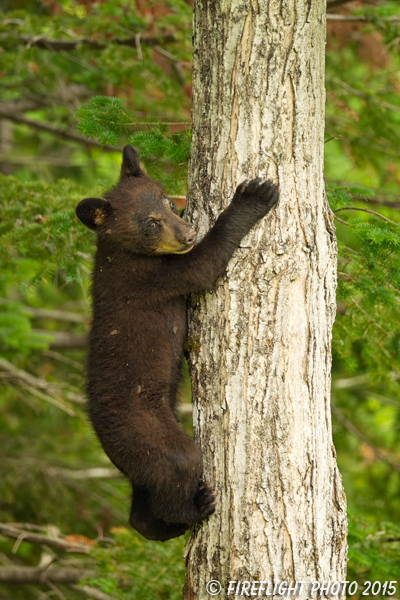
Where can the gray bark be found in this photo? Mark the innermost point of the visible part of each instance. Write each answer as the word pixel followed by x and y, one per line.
pixel 261 340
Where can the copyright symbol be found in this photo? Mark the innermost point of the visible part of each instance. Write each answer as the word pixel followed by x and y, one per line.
pixel 213 587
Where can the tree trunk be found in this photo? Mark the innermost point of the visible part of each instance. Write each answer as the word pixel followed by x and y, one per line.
pixel 261 341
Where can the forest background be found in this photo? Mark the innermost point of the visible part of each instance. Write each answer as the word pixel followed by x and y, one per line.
pixel 78 81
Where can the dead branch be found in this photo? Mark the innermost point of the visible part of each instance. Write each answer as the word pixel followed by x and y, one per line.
pixel 91 473
pixel 62 340
pixel 15 532
pixel 11 373
pixel 332 17
pixel 336 3
pixel 67 45
pixel 36 575
pixel 91 592
pixel 56 315
pixel 61 133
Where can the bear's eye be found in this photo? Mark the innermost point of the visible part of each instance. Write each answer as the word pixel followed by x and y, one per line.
pixel 152 225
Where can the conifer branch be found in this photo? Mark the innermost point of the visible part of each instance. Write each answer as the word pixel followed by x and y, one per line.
pixel 44 43
pixel 371 212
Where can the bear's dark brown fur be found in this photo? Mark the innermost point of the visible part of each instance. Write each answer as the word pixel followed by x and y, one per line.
pixel 145 264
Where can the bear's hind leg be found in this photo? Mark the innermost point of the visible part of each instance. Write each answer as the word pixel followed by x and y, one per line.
pixel 147 524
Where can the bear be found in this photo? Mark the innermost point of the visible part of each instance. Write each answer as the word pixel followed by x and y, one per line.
pixel 145 264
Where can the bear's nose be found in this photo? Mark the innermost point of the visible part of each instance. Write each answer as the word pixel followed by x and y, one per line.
pixel 190 237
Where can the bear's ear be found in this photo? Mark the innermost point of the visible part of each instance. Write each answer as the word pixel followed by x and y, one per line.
pixel 93 212
pixel 130 163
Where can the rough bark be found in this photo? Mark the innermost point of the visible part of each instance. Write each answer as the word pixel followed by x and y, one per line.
pixel 261 341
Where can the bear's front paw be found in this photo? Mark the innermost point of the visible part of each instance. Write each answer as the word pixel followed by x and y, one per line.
pixel 261 194
pixel 205 499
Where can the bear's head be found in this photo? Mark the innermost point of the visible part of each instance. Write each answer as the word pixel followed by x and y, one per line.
pixel 136 215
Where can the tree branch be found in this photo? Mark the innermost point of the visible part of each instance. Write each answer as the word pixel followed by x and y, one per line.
pixel 37 575
pixel 61 133
pixel 380 202
pixel 20 105
pixel 91 592
pixel 359 94
pixel 56 315
pixel 332 17
pixel 335 3
pixel 91 473
pixel 353 430
pixel 62 340
pixel 66 45
pixel 341 220
pixel 22 535
pixel 25 379
pixel 371 212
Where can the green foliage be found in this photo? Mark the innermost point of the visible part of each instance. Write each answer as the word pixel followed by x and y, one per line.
pixel 369 286
pixel 158 143
pixel 373 555
pixel 40 232
pixel 102 118
pixel 132 568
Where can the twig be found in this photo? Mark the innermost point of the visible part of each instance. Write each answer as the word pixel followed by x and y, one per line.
pixel 359 94
pixel 354 252
pixel 64 359
pixel 340 220
pixel 366 315
pixel 353 429
pixel 155 123
pixel 20 377
pixel 380 202
pixel 372 212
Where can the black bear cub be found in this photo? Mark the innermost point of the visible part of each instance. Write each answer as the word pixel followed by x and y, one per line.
pixel 146 261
